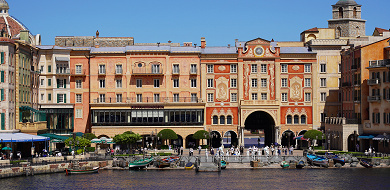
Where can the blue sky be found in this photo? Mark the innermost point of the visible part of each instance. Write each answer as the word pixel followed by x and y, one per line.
pixel 151 21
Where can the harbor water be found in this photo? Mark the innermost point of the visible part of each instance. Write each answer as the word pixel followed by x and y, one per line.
pixel 343 178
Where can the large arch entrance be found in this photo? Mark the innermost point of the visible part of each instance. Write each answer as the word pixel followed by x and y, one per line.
pixel 177 142
pixel 259 129
pixel 230 139
pixel 191 142
pixel 215 138
pixel 288 138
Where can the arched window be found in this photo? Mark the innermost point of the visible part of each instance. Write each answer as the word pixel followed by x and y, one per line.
pixel 229 120
pixel 215 120
pixel 222 120
pixel 296 119
pixel 289 119
pixel 341 14
pixel 303 119
pixel 338 32
pixel 354 12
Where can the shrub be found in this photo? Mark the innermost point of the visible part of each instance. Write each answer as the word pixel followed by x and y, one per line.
pixel 164 147
pixel 89 149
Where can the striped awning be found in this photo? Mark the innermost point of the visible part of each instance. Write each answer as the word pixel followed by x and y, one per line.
pixel 381 137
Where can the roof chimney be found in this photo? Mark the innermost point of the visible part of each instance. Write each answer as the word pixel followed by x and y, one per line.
pixel 169 41
pixel 202 42
pixel 187 44
pixel 97 33
pixel 228 45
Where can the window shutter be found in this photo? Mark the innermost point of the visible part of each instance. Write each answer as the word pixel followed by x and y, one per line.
pixel 49 69
pixel 2 94
pixel 49 82
pixel 64 98
pixel 58 98
pixel 64 83
pixel 2 57
pixel 58 83
pixel 2 76
pixel 2 121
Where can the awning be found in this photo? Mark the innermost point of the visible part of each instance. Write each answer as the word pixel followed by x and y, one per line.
pixel 300 137
pixel 54 138
pixel 381 137
pixel 96 141
pixel 28 108
pixel 62 58
pixel 366 136
pixel 21 137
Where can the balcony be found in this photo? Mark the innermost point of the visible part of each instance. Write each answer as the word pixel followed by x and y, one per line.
pixel 63 71
pixel 379 63
pixel 193 71
pixel 374 98
pixel 148 100
pixel 373 81
pixel 147 71
pixel 75 72
pixel 109 101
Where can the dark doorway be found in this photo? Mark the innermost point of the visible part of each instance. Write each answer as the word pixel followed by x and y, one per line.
pixel 230 139
pixel 288 138
pixel 215 138
pixel 177 142
pixel 260 121
pixel 191 142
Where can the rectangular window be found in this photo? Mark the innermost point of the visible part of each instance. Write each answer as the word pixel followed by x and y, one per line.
pixel 307 97
pixel 307 68
pixel 119 98
pixel 42 97
pixel 42 82
pixel 78 84
pixel 60 98
pixel 233 83
pixel 284 97
pixel 79 113
pixel 155 69
pixel 78 69
pixel 339 68
pixel 263 83
pixel 139 83
pixel 284 82
pixel 263 68
pixel 323 96
pixel 78 98
pixel 102 69
pixel 210 68
pixel 2 76
pixel 49 68
pixel 139 98
pixel 254 83
pixel 48 82
pixel 2 59
pixel 175 83
pixel 175 69
pixel 102 98
pixel 102 83
pixel 156 83
pixel 61 83
pixel 283 68
pixel 193 69
pixel 254 96
pixel 307 82
pixel 263 96
pixel 156 97
pixel 323 68
pixel 118 69
pixel 175 97
pixel 42 68
pixel 194 97
pixel 323 82
pixel 254 68
pixel 210 83
pixel 193 83
pixel 210 97
pixel 49 97
pixel 233 97
pixel 2 95
pixel 233 68
pixel 119 83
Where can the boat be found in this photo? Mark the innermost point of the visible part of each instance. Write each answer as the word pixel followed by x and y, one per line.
pixel 284 164
pixel 366 163
pixel 300 164
pixel 166 162
pixel 223 164
pixel 142 163
pixel 189 166
pixel 316 160
pixel 336 159
pixel 71 171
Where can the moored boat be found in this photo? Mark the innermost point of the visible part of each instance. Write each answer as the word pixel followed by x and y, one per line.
pixel 189 166
pixel 284 164
pixel 336 159
pixel 166 162
pixel 142 163
pixel 300 164
pixel 366 163
pixel 70 171
pixel 316 160
pixel 223 164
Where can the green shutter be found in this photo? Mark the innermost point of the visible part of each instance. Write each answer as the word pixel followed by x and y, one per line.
pixel 58 83
pixel 2 121
pixel 2 94
pixel 64 83
pixel 49 97
pixel 2 76
pixel 64 98
pixel 49 69
pixel 58 98
pixel 49 82
pixel 2 57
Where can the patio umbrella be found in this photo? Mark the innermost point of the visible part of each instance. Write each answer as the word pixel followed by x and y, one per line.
pixel 96 141
pixel 6 148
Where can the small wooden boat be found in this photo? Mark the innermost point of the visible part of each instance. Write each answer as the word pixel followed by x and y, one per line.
pixel 317 160
pixel 366 163
pixel 166 162
pixel 336 159
pixel 70 171
pixel 223 164
pixel 189 166
pixel 142 163
pixel 300 164
pixel 284 164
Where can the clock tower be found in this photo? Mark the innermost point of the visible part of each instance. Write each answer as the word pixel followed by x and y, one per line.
pixel 347 20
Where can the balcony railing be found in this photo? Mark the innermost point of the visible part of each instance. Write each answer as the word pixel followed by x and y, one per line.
pixel 380 63
pixel 147 100
pixel 373 98
pixel 109 100
pixel 147 71
pixel 63 71
pixel 78 72
pixel 373 81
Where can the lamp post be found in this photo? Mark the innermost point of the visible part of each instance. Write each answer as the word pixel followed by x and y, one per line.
pixel 328 139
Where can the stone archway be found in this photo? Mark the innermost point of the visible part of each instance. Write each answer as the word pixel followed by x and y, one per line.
pixel 259 129
pixel 215 138
pixel 230 138
pixel 288 138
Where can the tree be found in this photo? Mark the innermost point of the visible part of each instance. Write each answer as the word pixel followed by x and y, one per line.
pixel 313 134
pixel 78 142
pixel 201 134
pixel 166 134
pixel 89 136
pixel 127 138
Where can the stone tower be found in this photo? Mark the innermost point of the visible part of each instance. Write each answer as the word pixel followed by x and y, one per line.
pixel 347 20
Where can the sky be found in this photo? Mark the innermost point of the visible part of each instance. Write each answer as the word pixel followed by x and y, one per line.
pixel 152 21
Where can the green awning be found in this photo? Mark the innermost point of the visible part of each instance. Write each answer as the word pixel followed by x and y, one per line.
pixel 55 138
pixel 28 108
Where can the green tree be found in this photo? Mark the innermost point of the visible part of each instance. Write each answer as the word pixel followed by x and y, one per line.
pixel 89 136
pixel 201 134
pixel 313 134
pixel 166 134
pixel 79 142
pixel 127 138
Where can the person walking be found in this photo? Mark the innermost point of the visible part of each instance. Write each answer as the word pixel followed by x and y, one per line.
pixel 199 149
pixel 191 152
pixel 181 150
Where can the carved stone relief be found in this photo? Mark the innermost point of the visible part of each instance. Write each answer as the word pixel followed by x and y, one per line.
pixel 222 88
pixel 296 88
